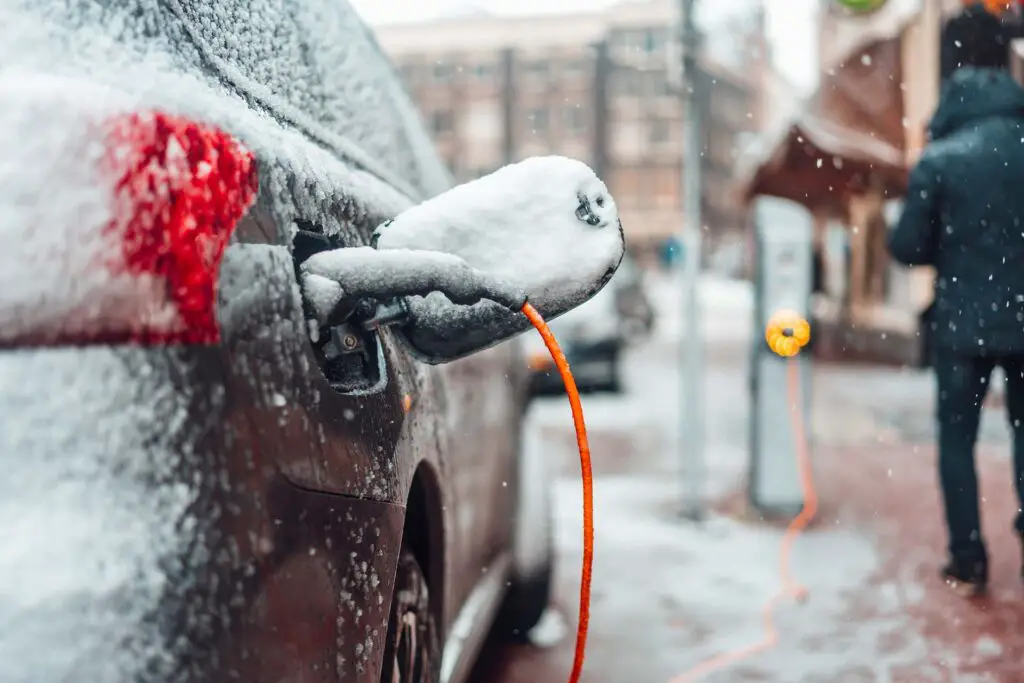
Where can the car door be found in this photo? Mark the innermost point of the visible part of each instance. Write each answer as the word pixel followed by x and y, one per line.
pixel 329 79
pixel 479 456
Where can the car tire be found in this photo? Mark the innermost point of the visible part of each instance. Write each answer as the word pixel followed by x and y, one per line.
pixel 412 651
pixel 615 383
pixel 525 604
pixel 533 551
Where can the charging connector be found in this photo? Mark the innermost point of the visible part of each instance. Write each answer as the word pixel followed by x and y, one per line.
pixel 335 279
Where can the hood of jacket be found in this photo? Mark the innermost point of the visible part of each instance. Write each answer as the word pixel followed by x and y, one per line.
pixel 971 95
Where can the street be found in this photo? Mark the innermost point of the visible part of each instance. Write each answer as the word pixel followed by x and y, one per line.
pixel 669 594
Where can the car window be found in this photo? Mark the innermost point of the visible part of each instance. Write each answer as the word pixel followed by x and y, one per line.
pixel 319 58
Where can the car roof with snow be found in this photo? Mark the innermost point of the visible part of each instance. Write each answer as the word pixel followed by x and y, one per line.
pixel 88 429
pixel 311 66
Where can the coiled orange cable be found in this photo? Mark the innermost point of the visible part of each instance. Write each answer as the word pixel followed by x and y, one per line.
pixel 786 335
pixel 587 572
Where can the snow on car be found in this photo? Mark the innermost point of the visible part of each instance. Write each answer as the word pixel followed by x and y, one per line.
pixel 258 504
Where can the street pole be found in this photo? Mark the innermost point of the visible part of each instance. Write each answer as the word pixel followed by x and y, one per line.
pixel 692 341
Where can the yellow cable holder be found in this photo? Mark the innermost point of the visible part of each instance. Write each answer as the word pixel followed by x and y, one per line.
pixel 787 332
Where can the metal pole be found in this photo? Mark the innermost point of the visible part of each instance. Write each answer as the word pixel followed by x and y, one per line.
pixel 602 73
pixel 692 342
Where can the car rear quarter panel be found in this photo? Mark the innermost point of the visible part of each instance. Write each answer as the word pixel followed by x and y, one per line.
pixel 164 543
pixel 365 446
pixel 459 420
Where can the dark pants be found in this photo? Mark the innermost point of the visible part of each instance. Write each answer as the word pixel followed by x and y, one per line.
pixel 963 383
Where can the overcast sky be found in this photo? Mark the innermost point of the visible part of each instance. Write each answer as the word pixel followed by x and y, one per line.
pixel 790 21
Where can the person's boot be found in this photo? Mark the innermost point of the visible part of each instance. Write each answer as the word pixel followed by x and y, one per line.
pixel 967 577
pixel 1020 535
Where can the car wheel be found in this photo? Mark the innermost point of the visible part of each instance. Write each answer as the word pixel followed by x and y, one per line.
pixel 412 652
pixel 533 549
pixel 615 372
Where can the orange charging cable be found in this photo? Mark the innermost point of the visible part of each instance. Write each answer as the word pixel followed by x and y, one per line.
pixel 587 572
pixel 787 333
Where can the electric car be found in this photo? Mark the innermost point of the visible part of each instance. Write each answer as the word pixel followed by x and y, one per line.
pixel 296 501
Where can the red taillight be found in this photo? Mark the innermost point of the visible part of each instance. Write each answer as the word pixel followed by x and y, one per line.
pixel 181 188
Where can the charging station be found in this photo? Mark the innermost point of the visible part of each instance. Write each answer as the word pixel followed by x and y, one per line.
pixel 783 280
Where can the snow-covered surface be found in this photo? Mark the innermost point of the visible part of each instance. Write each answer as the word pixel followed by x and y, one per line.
pixel 720 574
pixel 59 260
pixel 696 591
pixel 550 630
pixel 522 224
pixel 726 306
pixel 341 129
pixel 302 84
pixel 330 276
pixel 92 510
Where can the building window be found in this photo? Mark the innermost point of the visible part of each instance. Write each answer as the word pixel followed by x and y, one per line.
pixel 627 41
pixel 653 40
pixel 538 120
pixel 656 83
pixel 627 82
pixel 649 41
pixel 576 68
pixel 484 72
pixel 627 141
pixel 659 132
pixel 626 185
pixel 483 122
pixel 666 186
pixel 575 119
pixel 443 72
pixel 442 122
pixel 538 71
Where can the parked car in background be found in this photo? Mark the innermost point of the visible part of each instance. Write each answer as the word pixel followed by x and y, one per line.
pixel 277 506
pixel 594 335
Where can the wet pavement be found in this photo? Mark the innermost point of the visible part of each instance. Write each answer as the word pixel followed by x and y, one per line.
pixel 668 594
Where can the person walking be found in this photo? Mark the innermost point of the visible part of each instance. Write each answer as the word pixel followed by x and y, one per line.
pixel 964 215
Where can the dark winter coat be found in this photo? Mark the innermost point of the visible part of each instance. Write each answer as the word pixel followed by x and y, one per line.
pixel 964 214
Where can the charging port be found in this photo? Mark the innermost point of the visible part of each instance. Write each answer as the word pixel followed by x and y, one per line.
pixel 349 356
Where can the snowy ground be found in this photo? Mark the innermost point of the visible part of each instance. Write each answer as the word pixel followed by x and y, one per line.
pixel 668 593
pixel 720 573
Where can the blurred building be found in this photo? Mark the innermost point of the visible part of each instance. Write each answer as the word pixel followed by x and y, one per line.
pixel 597 86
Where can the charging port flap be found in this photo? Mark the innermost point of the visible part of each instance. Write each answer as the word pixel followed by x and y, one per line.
pixel 349 356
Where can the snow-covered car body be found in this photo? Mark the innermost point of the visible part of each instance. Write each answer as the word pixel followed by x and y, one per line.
pixel 236 511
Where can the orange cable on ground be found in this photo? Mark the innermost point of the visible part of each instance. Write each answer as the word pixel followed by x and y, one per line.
pixel 786 335
pixel 586 573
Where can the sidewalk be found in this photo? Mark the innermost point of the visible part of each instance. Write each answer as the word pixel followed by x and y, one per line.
pixel 890 492
pixel 669 594
pixel 888 488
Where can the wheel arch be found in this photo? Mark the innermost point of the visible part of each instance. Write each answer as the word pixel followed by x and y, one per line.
pixel 424 532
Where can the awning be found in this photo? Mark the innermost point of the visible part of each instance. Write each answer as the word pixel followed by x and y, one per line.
pixel 852 126
pixel 845 33
pixel 817 162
